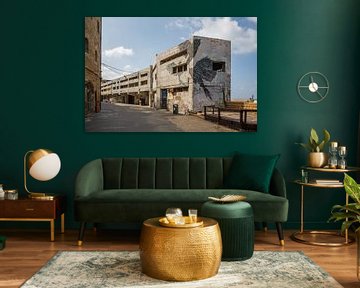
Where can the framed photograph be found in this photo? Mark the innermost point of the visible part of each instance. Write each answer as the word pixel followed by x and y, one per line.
pixel 170 74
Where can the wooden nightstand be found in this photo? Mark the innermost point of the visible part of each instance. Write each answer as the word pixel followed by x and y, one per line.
pixel 26 209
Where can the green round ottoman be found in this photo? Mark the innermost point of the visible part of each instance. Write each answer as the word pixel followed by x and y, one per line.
pixel 236 221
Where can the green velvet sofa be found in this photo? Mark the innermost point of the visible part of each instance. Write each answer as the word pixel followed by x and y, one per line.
pixel 130 190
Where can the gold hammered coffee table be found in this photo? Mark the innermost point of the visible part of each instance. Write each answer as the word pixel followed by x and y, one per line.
pixel 180 254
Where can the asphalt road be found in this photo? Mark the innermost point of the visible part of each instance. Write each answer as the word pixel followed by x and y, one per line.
pixel 134 118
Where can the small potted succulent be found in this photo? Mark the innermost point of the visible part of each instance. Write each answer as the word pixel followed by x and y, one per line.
pixel 317 157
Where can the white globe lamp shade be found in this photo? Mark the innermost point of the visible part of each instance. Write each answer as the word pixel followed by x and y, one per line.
pixel 44 164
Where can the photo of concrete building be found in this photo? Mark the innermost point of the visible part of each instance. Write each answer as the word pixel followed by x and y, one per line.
pixel 151 85
pixel 191 75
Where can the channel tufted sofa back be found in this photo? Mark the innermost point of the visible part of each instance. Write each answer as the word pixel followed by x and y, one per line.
pixel 164 173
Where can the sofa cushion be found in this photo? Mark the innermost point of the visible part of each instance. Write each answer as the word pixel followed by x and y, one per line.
pixel 266 207
pixel 251 172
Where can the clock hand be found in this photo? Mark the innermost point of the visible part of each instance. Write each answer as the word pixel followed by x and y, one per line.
pixel 312 84
pixel 321 96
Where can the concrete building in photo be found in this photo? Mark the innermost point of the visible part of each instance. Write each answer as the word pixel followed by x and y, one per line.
pixel 134 88
pixel 191 75
pixel 92 64
pixel 194 74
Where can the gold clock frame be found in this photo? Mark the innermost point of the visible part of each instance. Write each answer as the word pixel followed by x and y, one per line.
pixel 303 86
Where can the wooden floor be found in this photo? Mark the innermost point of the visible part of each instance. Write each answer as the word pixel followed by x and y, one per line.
pixel 28 250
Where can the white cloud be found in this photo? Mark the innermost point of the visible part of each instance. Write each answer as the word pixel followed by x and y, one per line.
pixel 109 74
pixel 252 19
pixel 188 23
pixel 243 40
pixel 127 67
pixel 118 52
pixel 177 23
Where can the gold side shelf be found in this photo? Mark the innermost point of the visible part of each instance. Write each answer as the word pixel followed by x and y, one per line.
pixel 348 169
pixel 314 235
pixel 295 237
pixel 313 184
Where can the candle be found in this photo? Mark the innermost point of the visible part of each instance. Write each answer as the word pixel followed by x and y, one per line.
pixel 342 154
pixel 342 149
pixel 333 144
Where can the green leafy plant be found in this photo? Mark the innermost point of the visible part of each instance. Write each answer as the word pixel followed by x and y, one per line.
pixel 314 144
pixel 349 214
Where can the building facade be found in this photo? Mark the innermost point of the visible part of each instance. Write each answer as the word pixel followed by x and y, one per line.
pixel 134 88
pixel 191 75
pixel 92 64
pixel 194 74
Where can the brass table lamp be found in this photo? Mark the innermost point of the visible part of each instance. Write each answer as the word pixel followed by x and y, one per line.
pixel 43 165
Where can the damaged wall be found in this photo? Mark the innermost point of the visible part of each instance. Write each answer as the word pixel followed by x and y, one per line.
pixel 211 72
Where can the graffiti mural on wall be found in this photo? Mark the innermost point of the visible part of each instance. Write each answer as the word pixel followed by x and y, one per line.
pixel 198 76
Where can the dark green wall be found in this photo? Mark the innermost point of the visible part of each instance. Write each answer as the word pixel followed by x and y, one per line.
pixel 42 77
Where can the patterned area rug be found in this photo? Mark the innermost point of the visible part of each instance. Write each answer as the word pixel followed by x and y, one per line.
pixel 122 269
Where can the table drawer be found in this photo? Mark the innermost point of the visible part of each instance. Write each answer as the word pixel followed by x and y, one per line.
pixel 28 209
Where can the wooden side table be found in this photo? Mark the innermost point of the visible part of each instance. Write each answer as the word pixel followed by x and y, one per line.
pixel 27 209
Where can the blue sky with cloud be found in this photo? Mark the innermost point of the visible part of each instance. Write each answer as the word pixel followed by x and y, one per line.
pixel 131 43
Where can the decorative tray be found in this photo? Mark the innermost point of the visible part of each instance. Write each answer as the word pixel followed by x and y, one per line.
pixel 228 198
pixel 165 222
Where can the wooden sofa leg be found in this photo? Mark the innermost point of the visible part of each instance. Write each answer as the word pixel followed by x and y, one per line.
pixel 280 233
pixel 81 233
pixel 265 227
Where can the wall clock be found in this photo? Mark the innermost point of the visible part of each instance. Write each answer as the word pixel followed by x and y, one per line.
pixel 313 87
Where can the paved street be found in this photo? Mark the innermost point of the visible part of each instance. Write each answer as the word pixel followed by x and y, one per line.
pixel 134 118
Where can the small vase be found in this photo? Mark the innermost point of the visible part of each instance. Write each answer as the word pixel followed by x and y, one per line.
pixel 317 159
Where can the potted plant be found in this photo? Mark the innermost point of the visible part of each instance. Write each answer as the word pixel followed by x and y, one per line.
pixel 350 213
pixel 317 157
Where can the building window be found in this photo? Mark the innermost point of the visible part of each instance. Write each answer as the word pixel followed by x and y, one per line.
pixel 180 68
pixel 219 66
pixel 98 26
pixel 178 90
pixel 86 45
pixel 144 82
pixel 96 56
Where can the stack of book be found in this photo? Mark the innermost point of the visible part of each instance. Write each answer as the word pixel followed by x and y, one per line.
pixel 327 181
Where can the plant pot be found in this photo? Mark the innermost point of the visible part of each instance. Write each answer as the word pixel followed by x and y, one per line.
pixel 317 159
